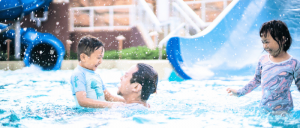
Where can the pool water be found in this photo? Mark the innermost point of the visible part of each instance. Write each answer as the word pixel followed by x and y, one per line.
pixel 33 98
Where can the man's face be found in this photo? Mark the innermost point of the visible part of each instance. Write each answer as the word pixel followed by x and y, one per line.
pixel 125 87
pixel 94 60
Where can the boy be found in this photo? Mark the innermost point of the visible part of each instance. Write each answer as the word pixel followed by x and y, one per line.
pixel 87 86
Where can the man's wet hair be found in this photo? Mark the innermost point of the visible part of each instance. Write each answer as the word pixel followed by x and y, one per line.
pixel 147 77
pixel 87 45
pixel 277 30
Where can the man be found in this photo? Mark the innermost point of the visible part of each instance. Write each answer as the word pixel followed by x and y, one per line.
pixel 139 82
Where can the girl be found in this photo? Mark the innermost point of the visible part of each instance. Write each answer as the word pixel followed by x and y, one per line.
pixel 275 71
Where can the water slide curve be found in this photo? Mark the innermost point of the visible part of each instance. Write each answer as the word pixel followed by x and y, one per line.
pixel 231 45
pixel 42 49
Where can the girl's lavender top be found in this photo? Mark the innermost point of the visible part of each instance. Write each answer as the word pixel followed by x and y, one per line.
pixel 276 80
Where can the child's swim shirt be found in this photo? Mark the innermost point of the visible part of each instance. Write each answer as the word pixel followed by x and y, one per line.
pixel 87 80
pixel 276 80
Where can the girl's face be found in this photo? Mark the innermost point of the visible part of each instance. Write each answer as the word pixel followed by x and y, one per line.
pixel 270 45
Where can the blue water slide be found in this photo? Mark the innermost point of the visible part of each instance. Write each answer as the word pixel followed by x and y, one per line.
pixel 231 45
pixel 42 49
pixel 12 9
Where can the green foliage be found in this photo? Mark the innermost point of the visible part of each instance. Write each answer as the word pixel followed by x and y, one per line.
pixel 73 56
pixel 3 57
pixel 132 53
pixel 113 54
pixel 135 53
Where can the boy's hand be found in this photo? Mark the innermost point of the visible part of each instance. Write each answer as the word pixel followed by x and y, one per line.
pixel 232 91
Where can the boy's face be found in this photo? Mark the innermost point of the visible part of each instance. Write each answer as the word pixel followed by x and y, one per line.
pixel 94 60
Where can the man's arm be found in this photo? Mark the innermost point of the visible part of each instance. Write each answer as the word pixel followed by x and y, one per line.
pixel 110 97
pixel 90 103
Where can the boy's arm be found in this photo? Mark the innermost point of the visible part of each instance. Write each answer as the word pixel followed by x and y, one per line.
pixel 254 83
pixel 110 97
pixel 90 103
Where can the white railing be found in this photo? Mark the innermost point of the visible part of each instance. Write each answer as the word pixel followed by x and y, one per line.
pixel 110 9
pixel 201 23
pixel 148 23
pixel 141 14
pixel 145 14
pixel 186 17
pixel 203 6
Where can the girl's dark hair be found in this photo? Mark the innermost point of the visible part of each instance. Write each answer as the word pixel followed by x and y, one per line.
pixel 87 45
pixel 147 77
pixel 277 30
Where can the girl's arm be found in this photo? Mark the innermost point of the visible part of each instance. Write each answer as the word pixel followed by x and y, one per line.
pixel 254 83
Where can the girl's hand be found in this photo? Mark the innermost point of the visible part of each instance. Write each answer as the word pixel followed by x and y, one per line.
pixel 232 91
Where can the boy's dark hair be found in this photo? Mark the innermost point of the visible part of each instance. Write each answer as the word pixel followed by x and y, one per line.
pixel 277 30
pixel 147 77
pixel 87 45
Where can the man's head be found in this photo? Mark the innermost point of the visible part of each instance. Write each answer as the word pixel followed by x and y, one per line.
pixel 140 80
pixel 90 52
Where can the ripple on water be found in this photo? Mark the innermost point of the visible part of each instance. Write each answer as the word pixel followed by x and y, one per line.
pixel 2 111
pixel 44 99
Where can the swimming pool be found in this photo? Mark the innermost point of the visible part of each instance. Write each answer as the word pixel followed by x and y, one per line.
pixel 34 98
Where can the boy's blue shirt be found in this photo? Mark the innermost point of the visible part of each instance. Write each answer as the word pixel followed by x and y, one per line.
pixel 83 79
